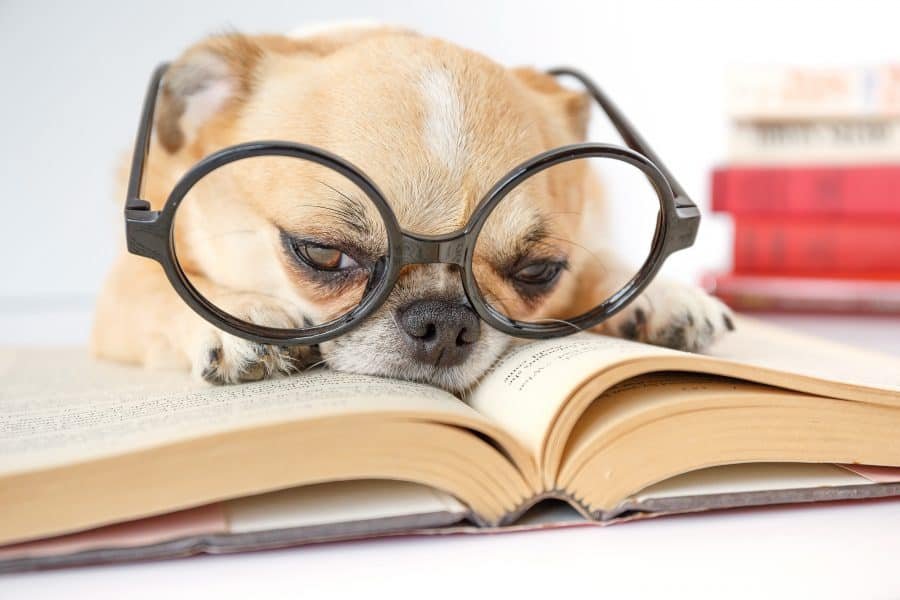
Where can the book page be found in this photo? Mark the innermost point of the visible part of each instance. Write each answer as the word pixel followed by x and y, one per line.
pixel 751 477
pixel 751 485
pixel 61 406
pixel 760 345
pixel 339 502
pixel 528 388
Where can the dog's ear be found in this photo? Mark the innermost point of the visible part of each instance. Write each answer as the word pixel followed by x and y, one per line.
pixel 201 83
pixel 219 72
pixel 574 106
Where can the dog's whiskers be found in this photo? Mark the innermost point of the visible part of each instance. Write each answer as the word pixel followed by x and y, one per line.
pixel 593 253
pixel 316 364
pixel 563 321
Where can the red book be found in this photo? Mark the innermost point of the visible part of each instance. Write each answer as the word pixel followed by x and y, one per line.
pixel 816 247
pixel 798 295
pixel 872 191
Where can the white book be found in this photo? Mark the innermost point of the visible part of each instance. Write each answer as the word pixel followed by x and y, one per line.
pixel 858 141
pixel 756 93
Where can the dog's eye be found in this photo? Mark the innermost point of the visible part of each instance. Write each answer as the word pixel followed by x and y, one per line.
pixel 541 273
pixel 323 258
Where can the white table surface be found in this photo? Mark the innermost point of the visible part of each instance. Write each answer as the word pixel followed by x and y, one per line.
pixel 828 551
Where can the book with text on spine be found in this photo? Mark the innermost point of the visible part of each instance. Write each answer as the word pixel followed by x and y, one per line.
pixel 871 191
pixel 817 247
pixel 760 93
pixel 801 143
pixel 785 294
pixel 612 429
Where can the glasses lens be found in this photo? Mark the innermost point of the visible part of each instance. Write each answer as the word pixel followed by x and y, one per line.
pixel 566 239
pixel 280 242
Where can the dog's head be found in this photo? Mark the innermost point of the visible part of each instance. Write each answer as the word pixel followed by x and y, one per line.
pixel 434 126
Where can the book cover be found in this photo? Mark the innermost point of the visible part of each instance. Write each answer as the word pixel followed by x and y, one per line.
pixel 762 293
pixel 355 510
pixel 859 141
pixel 817 247
pixel 822 191
pixel 771 92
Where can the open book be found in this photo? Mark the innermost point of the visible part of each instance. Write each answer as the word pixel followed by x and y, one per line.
pixel 102 462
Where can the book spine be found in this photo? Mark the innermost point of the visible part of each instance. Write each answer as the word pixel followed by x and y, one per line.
pixel 872 191
pixel 759 93
pixel 815 142
pixel 799 295
pixel 819 248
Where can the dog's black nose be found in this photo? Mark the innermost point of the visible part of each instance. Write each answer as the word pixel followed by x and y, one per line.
pixel 438 332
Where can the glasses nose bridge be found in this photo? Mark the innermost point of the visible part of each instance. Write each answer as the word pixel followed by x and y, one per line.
pixel 448 249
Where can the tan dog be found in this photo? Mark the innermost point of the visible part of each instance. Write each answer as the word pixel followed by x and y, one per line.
pixel 435 126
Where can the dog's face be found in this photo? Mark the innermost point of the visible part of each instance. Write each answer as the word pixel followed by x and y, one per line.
pixel 434 126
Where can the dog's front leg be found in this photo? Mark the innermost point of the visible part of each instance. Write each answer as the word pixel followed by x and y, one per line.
pixel 666 313
pixel 140 319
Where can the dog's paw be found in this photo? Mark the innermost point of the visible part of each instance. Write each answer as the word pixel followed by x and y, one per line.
pixel 220 358
pixel 675 316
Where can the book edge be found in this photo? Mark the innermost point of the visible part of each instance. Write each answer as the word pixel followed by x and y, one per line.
pixel 228 543
pixel 447 522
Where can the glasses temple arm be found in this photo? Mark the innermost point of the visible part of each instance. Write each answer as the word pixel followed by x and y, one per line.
pixel 133 199
pixel 628 132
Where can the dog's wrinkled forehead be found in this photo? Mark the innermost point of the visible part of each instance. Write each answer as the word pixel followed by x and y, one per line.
pixel 432 125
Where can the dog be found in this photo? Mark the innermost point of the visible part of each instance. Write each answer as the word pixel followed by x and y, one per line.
pixel 434 125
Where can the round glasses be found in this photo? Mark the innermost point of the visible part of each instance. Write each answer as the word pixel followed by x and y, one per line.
pixel 343 249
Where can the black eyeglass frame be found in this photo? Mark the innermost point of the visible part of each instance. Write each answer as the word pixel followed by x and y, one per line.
pixel 151 233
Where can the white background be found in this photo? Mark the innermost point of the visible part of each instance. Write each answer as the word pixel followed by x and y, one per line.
pixel 71 79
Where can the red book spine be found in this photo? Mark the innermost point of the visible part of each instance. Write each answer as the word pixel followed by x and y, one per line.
pixel 872 191
pixel 817 248
pixel 795 294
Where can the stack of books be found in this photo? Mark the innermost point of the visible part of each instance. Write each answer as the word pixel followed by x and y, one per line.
pixel 813 186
